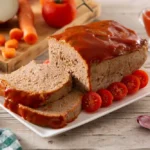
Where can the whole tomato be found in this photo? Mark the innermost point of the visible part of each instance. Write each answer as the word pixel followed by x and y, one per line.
pixel 58 13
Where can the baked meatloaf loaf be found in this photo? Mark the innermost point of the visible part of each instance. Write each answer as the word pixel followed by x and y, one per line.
pixel 36 84
pixel 54 115
pixel 97 54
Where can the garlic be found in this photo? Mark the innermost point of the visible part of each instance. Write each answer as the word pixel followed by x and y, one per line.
pixel 8 9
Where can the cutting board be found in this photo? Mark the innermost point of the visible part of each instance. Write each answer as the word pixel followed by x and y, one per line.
pixel 26 52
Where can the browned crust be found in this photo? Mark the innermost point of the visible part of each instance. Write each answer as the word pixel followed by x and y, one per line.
pixel 33 100
pixel 48 120
pixel 36 118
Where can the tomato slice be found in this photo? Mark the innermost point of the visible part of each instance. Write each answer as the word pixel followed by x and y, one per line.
pixel 143 77
pixel 132 82
pixel 106 96
pixel 91 102
pixel 118 90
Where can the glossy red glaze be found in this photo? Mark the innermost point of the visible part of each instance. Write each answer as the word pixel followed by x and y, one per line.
pixel 146 20
pixel 34 117
pixel 101 40
pixel 33 100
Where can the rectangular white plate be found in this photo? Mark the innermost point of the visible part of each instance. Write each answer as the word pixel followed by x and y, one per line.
pixel 83 117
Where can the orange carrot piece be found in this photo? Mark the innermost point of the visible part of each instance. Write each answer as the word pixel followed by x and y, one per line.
pixel 16 33
pixel 13 43
pixel 2 40
pixel 26 22
pixel 8 52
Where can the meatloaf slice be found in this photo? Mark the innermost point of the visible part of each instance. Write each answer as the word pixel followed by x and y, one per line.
pixel 36 84
pixel 54 115
pixel 97 54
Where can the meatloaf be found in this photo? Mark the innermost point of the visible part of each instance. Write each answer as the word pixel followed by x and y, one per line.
pixel 54 115
pixel 36 84
pixel 97 54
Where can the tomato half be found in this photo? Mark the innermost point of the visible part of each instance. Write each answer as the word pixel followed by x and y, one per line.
pixel 118 90
pixel 91 102
pixel 132 82
pixel 106 96
pixel 143 77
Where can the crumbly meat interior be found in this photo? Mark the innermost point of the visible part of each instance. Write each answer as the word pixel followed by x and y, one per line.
pixel 64 56
pixel 37 78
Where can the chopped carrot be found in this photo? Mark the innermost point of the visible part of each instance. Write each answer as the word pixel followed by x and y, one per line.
pixel 8 52
pixel 16 33
pixel 2 40
pixel 41 2
pixel 12 43
pixel 26 22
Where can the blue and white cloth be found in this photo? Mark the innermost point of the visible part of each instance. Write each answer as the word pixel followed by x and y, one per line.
pixel 8 140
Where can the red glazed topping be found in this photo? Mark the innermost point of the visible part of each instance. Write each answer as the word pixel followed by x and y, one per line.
pixel 33 100
pixel 101 40
pixel 35 118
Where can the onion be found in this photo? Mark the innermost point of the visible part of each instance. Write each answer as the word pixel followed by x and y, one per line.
pixel 8 9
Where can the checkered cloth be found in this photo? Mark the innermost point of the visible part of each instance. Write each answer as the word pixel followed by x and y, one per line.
pixel 8 140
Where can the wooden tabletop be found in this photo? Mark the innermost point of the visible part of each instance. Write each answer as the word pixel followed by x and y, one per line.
pixel 116 131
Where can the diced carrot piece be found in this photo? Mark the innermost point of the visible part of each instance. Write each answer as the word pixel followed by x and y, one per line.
pixel 8 52
pixel 2 40
pixel 16 33
pixel 13 43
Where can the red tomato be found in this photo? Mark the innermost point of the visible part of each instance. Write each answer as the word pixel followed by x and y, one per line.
pixel 58 13
pixel 132 82
pixel 46 62
pixel 143 77
pixel 118 90
pixel 107 97
pixel 91 102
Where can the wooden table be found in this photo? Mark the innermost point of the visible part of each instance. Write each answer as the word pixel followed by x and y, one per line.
pixel 116 131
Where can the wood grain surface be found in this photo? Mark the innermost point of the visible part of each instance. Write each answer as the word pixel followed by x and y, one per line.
pixel 26 52
pixel 116 131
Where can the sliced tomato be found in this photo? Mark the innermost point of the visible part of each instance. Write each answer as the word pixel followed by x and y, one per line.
pixel 118 90
pixel 106 96
pixel 91 102
pixel 143 77
pixel 132 82
pixel 46 62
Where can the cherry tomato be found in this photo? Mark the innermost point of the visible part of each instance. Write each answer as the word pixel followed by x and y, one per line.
pixel 106 96
pixel 91 102
pixel 118 90
pixel 132 82
pixel 58 13
pixel 143 77
pixel 46 62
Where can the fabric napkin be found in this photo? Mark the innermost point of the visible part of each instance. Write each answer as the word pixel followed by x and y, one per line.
pixel 8 140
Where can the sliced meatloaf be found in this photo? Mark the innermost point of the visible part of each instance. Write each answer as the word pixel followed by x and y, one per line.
pixel 36 84
pixel 54 115
pixel 97 54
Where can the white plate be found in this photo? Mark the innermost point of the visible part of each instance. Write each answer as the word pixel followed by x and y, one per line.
pixel 83 117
